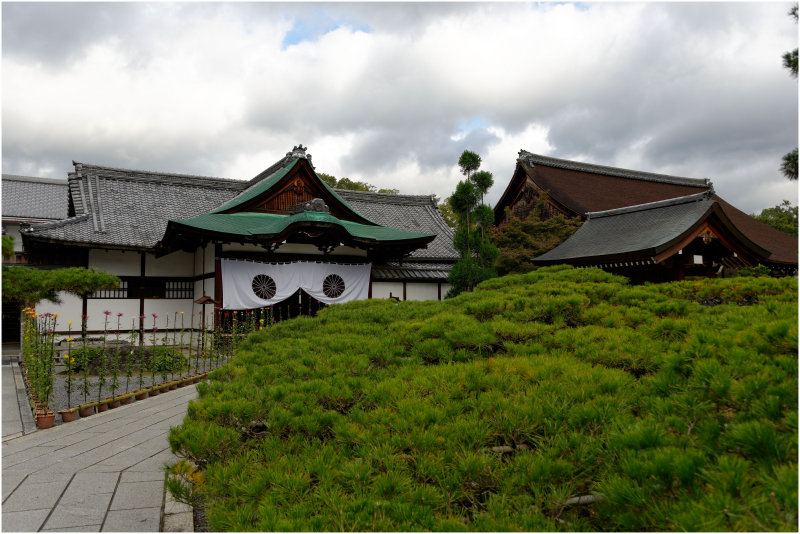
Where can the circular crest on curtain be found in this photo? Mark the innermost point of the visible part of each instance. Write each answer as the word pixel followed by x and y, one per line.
pixel 264 286
pixel 333 286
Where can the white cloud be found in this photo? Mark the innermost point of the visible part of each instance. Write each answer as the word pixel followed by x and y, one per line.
pixel 393 93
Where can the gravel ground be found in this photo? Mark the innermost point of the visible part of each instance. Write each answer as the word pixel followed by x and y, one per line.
pixel 59 397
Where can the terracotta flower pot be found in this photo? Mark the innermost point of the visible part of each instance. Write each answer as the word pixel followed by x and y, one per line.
pixel 113 404
pixel 182 383
pixel 86 411
pixel 126 400
pixel 164 388
pixel 45 420
pixel 67 416
pixel 174 385
pixel 142 395
pixel 103 406
pixel 154 392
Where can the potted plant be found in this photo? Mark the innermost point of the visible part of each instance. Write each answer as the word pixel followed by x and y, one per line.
pixel 68 415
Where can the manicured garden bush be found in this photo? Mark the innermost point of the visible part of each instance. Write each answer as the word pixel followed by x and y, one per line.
pixel 561 399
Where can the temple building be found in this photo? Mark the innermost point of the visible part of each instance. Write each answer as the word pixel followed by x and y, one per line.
pixel 646 226
pixel 283 240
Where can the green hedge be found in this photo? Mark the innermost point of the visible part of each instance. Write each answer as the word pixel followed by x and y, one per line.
pixel 674 406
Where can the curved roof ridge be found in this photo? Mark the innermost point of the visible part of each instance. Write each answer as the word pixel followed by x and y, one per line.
pixel 386 198
pixel 698 197
pixel 36 179
pixel 547 161
pixel 159 176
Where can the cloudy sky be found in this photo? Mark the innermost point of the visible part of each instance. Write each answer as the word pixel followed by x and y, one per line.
pixel 392 93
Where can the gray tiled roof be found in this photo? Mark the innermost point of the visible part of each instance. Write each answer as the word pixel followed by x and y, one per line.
pixel 26 198
pixel 122 208
pixel 414 213
pixel 411 271
pixel 643 229
pixel 130 209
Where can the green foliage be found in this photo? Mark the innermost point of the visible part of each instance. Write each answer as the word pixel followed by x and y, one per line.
pixel 354 185
pixel 501 408
pixel 447 213
pixel 782 217
pixel 28 286
pixel 519 241
pixel 789 164
pixel 478 256
pixel 469 162
pixel 8 245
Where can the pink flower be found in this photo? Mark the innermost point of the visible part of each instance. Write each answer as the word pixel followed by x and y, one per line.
pixel 107 312
pixel 155 316
pixel 142 317
pixel 119 314
pixel 155 329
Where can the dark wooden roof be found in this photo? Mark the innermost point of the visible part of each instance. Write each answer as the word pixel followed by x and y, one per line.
pixel 579 188
pixel 643 232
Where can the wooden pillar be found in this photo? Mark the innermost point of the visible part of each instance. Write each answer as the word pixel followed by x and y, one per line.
pixel 439 288
pixel 404 291
pixel 217 284
pixel 142 270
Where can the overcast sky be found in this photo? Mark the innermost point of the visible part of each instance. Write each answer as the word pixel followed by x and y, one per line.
pixel 392 94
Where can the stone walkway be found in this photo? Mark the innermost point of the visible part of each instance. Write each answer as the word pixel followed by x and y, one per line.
pixel 100 473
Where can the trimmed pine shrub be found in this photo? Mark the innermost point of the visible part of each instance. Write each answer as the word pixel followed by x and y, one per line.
pixel 557 400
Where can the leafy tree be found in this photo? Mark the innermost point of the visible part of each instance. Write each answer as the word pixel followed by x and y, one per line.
pixel 327 178
pixel 782 217
pixel 28 286
pixel 790 58
pixel 353 185
pixel 789 165
pixel 8 245
pixel 519 241
pixel 478 255
pixel 447 213
pixel 789 162
pixel 469 163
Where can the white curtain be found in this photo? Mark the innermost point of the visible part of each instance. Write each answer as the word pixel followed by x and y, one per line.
pixel 250 284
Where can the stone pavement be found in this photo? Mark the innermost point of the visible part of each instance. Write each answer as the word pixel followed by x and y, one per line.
pixel 100 473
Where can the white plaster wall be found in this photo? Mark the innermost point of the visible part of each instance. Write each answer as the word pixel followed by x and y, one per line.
pixel 445 289
pixel 118 262
pixel 129 308
pixel 422 291
pixel 167 308
pixel 69 310
pixel 12 229
pixel 175 264
pixel 208 267
pixel 381 290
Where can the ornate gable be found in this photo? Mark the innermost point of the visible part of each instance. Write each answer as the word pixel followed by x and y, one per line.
pixel 290 188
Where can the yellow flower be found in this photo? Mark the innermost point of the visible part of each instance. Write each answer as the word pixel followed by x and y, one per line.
pixel 181 313
pixel 69 323
pixel 70 339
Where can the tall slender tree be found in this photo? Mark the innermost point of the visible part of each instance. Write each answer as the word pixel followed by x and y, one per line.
pixel 477 253
pixel 789 162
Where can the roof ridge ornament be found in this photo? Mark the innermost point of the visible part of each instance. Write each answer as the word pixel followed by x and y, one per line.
pixel 300 151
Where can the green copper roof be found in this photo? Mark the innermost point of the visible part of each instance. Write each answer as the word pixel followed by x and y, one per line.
pixel 260 224
pixel 259 188
pixel 267 184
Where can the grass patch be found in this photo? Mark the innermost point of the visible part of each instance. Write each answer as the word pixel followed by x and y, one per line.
pixel 562 399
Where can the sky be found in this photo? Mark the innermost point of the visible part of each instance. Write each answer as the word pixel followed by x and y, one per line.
pixel 393 93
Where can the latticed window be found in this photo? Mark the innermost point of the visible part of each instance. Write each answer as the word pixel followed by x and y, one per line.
pixel 179 289
pixel 120 292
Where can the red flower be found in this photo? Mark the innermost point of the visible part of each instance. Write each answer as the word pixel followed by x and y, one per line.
pixel 107 312
pixel 155 316
pixel 119 314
